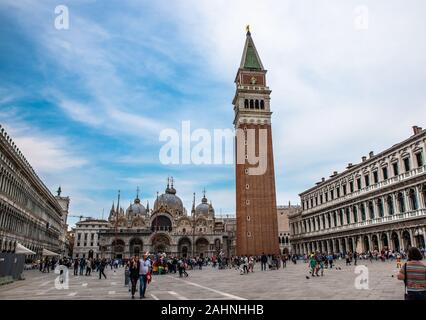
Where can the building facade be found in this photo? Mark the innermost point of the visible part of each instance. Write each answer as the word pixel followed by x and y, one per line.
pixel 167 228
pixel 376 204
pixel 284 227
pixel 257 226
pixel 29 213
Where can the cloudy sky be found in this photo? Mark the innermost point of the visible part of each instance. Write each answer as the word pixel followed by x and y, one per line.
pixel 86 105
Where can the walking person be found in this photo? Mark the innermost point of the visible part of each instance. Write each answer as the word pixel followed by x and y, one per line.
pixel 102 265
pixel 144 272
pixel 134 274
pixel 263 260
pixel 413 273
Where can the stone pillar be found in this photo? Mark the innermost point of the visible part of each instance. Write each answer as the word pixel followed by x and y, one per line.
pixel 411 237
pixel 379 241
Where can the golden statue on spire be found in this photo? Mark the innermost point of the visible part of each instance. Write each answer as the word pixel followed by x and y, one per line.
pixel 248 28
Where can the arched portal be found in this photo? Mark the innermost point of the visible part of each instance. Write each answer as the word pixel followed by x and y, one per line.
pixel 406 240
pixel 366 244
pixel 201 247
pixel 351 245
pixel 118 248
pixel 385 241
pixel 160 243
pixel 395 241
pixel 136 247
pixel 375 242
pixel 184 247
pixel 161 223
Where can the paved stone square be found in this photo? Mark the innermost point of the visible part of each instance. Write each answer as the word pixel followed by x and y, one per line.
pixel 213 284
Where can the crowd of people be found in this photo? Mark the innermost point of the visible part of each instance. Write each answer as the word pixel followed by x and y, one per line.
pixel 142 269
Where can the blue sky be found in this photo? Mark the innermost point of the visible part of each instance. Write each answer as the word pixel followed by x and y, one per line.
pixel 86 105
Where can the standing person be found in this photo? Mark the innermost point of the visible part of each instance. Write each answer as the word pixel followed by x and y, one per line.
pixel 144 271
pixel 414 275
pixel 134 274
pixel 263 260
pixel 82 264
pixel 398 262
pixel 89 267
pixel 355 258
pixel 102 265
pixel 251 264
pixel 76 267
pixel 330 260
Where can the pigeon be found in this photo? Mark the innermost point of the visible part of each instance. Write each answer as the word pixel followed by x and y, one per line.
pixel 392 276
pixel 307 277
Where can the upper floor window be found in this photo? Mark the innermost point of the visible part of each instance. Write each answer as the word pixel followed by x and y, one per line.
pixel 251 104
pixel 262 104
pixel 358 183
pixel 344 189
pixel 256 104
pixel 246 103
pixel 375 177
pixel 367 180
pixel 351 186
pixel 326 196
pixel 385 173
pixel 332 194
pixel 407 164
pixel 395 168
pixel 321 199
pixel 419 158
pixel 338 192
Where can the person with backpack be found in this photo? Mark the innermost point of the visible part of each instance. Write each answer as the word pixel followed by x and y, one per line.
pixel 413 273
pixel 263 260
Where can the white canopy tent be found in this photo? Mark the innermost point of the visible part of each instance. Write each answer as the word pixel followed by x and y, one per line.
pixel 20 249
pixel 49 253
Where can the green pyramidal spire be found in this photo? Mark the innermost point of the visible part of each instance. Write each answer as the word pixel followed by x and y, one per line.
pixel 250 59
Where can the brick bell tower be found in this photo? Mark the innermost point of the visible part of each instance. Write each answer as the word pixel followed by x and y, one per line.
pixel 257 225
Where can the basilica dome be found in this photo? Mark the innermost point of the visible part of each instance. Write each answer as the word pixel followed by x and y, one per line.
pixel 170 201
pixel 136 209
pixel 204 208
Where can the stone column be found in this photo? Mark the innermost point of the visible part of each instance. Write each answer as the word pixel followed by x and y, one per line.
pixel 411 237
pixel 379 241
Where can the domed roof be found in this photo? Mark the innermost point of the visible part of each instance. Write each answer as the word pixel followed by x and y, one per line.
pixel 136 208
pixel 169 200
pixel 204 207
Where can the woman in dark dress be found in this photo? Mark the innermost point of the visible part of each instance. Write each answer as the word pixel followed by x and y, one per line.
pixel 134 274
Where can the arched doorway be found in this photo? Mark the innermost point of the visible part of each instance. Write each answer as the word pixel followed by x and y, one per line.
pixel 184 247
pixel 406 240
pixel 161 243
pixel 375 242
pixel 366 244
pixel 395 241
pixel 118 248
pixel 161 223
pixel 420 238
pixel 90 254
pixel 201 247
pixel 336 246
pixel 344 249
pixel 136 247
pixel 351 245
pixel 385 242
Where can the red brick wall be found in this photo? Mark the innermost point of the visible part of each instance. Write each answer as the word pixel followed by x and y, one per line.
pixel 262 210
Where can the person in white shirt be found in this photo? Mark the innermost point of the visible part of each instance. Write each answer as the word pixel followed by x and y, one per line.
pixel 144 270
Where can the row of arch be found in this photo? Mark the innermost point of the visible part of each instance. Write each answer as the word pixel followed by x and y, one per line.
pixel 162 243
pixel 390 204
pixel 254 104
pixel 396 240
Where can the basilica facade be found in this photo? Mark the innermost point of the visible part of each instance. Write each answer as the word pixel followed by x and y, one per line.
pixel 167 228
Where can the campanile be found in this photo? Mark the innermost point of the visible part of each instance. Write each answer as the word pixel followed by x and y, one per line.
pixel 257 225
